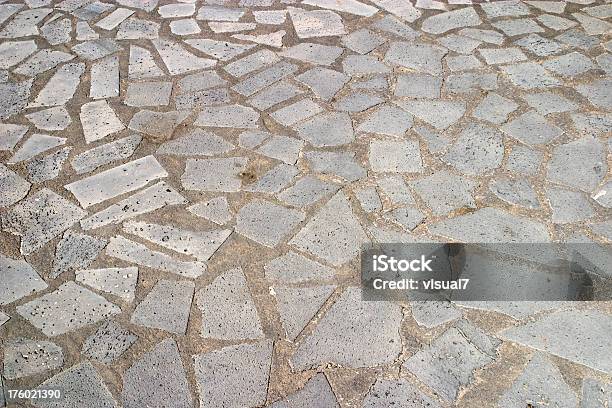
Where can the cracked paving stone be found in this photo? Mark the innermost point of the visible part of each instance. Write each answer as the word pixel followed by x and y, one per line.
pixel 297 306
pixel 13 187
pixel 440 114
pixel 307 191
pixel 196 143
pixel 56 118
pixel 40 218
pixel 265 78
pixel 597 93
pixel 274 180
pixel 532 129
pixel 96 49
pixel 295 268
pixel 227 308
pixel 316 23
pixel 369 199
pixel 108 343
pixel 178 60
pixel 135 29
pixel 234 375
pixel 13 97
pixel 221 174
pixel 47 167
pixel 166 306
pixel 36 144
pixel 386 393
pixel 13 52
pixel 112 182
pixel 327 129
pixel 575 335
pixel 236 116
pixel 530 75
pixel 547 102
pixel 407 218
pixel 362 41
pixel 595 394
pixel 450 20
pixel 524 160
pixel 19 279
pixel 444 192
pixel 416 56
pixel 122 248
pixel 478 149
pixel 325 83
pixel 94 158
pixel 142 64
pixel 568 206
pixel 395 156
pixel 353 333
pixel 316 392
pixel 363 64
pixel 333 233
pixel 515 192
pixel 491 225
pixel 418 86
pixel 99 120
pixel 26 357
pixel 199 244
pixel 157 378
pixel 357 102
pixel 386 120
pixel 66 309
pixel 494 108
pixel 148 94
pixel 254 222
pixel 10 135
pixel 584 174
pixel 75 251
pixel 159 126
pixel 447 364
pixel 120 282
pixel 82 385
pixel 216 210
pixel 394 188
pixel 313 53
pixel 296 112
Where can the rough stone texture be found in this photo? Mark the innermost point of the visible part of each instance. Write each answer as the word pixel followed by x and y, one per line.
pixel 316 392
pixel 297 306
pixel 26 357
pixel 254 221
pixel 385 393
pixel 444 192
pixel 108 343
pixel 584 174
pixel 75 251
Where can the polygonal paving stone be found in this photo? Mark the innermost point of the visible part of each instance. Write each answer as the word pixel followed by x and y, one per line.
pixel 39 218
pixel 463 63
pixel 142 64
pixel 56 118
pixel 570 65
pixel 19 279
pixel 575 335
pixel 236 116
pixel 47 167
pixel 262 79
pixel 104 154
pixel 148 94
pixel 216 210
pixel 386 393
pixel 369 199
pixel 248 64
pixel 274 180
pixel 157 378
pixel 159 126
pixel 316 392
pixel 13 187
pixel 494 108
pixel 313 53
pixel 386 120
pixel 502 55
pixel 447 364
pixel 418 86
pixel 524 160
pixel 395 189
pixel 592 26
pixel 13 97
pixel 408 218
pixel 234 375
pixel 176 10
pixel 470 82
pixel 61 87
pixel 10 135
pixel 36 144
pixel 13 52
pixel 96 49
pixel 584 173
pixel 346 6
pixel 81 386
pixel 316 23
pixel 531 128
pixel 327 129
pixel 404 10
pixel 595 394
pixel 254 221
pixel 443 22
pixel 363 64
pixel 478 149
pixel 68 308
pixel 99 120
pixel 395 156
pixel 228 310
pixel 530 75
pixel 75 251
pixel 108 343
pixel 112 20
pixel 42 61
pixel 185 26
pixel 539 45
pixel 273 95
pixel 341 164
pixel 357 102
pixel 597 93
pixel 548 102
pixel 353 333
pixel 459 43
pixel 134 29
pixel 416 56
pixel 491 225
pixel 26 357
pixel 568 206
pixel 120 282
pixel 518 26
pixel 307 191
pixel 166 306
pixel 214 174
pixel 440 114
pixel 325 83
pixel 178 60
pixel 196 143
pixel 283 148
pixel 295 268
pixel 362 41
pixel 296 112
pixel 432 314
pixel 516 192
pixel 444 192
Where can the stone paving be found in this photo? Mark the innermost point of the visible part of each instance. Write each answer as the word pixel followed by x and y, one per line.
pixel 185 188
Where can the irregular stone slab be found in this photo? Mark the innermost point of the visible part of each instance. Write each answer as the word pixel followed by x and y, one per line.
pixel 479 149
pixel 178 60
pixel 313 53
pixel 470 82
pixel 357 102
pixel 75 251
pixel 57 31
pixel 596 93
pixel 251 63
pixel 529 75
pixel 407 218
pixel 36 144
pixel 134 29
pixel 166 306
pixel 418 86
pixel 108 343
pixel 297 306
pixel 595 394
pixel 47 167
pixel 148 94
pixel 120 282
pixel 159 126
pixel 584 174
pixel 42 61
pixel 395 157
pixel 369 199
pixel 200 81
pixel 307 191
pixel 7 10
pixel 385 393
pixel 223 379
pixel 56 118
pixel 68 308
pixel 82 385
pixel 353 333
pixel 539 45
pixel 222 50
pixel 443 22
pixel 218 28
pixel 265 78
pixel 342 164
pixel 111 183
pixel 316 392
pixel 216 210
pixel 255 221
pixel 459 43
pixel 327 129
pixel 236 116
pixel 176 10
pixel 444 192
pixel 532 129
pixel 13 187
pixel 274 180
pixel 216 13
pixel 13 52
pixel 432 314
pixel 25 357
pixel 162 367
pixel 575 335
pixel 568 206
pixel 272 17
pixel 283 148
pixel 99 156
pixel 548 102
pixel 396 190
pixel 39 218
pixel 516 192
pixel 13 97
pixel 569 65
pixel 592 26
pixel 115 18
pixel 387 120
pixel 463 63
pixel 24 24
pixel 274 39
pixel 447 364
pixel 10 135
pixel 325 83
pixel 147 5
pixel 84 32
pixel 518 26
pixel 345 6
pixel 495 56
pixel 440 114
pixel 142 64
pixel 273 95
pixel 491 225
pixel 511 8
pixel 99 120
pixel 494 108
pixel 604 196
pixel 295 268
pixel 214 174
pixel 196 143
pixel 184 27
pixel 105 78
pixel 524 160
pixel 404 10
pixel 333 234
pixel 362 41
pixel 19 279
pixel 316 23
pixel 416 56
pixel 130 251
pixel 150 199
pixel 96 49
